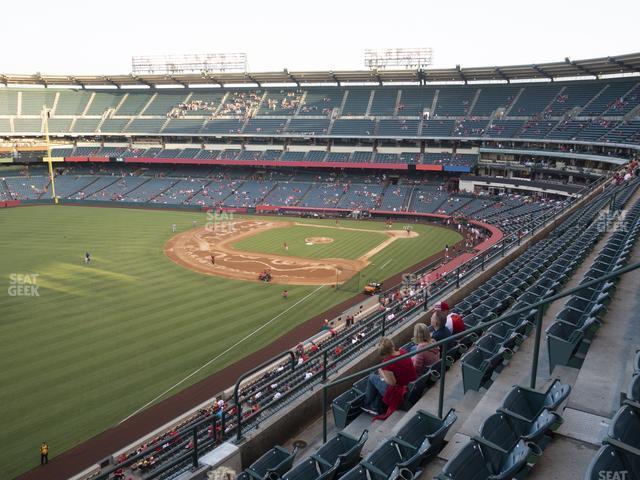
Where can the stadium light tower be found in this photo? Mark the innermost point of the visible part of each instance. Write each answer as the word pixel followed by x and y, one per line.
pixel 190 63
pixel 409 58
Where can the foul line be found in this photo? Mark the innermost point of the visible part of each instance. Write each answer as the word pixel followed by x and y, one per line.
pixel 386 263
pixel 218 356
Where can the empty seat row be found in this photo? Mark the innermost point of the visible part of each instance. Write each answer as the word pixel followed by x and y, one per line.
pixel 535 275
pixel 511 440
pixel 401 456
pixel 330 461
pixel 582 314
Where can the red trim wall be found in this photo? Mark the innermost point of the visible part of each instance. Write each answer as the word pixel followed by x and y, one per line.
pixel 86 159
pixel 274 163
pixel 262 163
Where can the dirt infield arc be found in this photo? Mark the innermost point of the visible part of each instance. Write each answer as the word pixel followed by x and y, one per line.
pixel 210 251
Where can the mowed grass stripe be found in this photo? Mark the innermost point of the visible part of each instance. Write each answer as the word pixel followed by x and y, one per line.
pixel 154 329
pixel 104 339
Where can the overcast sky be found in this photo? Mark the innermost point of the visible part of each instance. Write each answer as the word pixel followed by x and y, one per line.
pixel 89 37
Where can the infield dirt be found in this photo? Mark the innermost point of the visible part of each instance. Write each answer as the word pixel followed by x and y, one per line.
pixel 210 251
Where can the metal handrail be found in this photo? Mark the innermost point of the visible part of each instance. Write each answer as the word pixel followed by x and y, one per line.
pixel 211 419
pixel 236 388
pixel 443 343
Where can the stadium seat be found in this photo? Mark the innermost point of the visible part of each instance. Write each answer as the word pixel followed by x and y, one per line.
pixel 522 323
pixel 346 407
pixel 586 300
pixel 485 313
pixel 508 337
pixel 356 473
pixel 480 461
pixel 394 455
pixel 505 431
pixel 492 344
pixel 343 449
pixel 472 320
pixel 624 430
pixel 416 389
pixel 528 404
pixel 464 343
pixel 424 428
pixel 478 367
pixel 276 461
pixel 633 391
pixel 612 462
pixel 577 318
pixel 311 469
pixel 564 340
pixel 503 297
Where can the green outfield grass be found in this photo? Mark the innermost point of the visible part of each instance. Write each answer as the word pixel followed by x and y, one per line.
pixel 102 340
pixel 349 244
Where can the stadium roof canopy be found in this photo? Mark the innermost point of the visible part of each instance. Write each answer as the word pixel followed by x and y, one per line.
pixel 594 68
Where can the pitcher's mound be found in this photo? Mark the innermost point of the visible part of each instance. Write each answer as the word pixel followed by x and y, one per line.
pixel 317 240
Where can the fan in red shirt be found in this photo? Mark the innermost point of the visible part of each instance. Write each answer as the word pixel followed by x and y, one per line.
pixel 390 386
pixel 455 324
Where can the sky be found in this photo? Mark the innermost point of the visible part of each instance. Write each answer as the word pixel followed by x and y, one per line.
pixel 90 37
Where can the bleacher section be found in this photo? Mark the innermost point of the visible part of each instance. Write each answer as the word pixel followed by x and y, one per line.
pixel 384 102
pixel 304 126
pixel 357 102
pixel 454 102
pixel 284 102
pixel 579 110
pixel 492 98
pixel 353 128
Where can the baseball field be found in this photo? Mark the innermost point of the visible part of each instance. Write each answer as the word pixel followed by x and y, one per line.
pixel 85 345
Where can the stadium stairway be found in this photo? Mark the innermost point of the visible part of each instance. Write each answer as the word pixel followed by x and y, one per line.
pixel 473 407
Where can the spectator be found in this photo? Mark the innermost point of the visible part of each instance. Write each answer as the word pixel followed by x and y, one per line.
pixel 422 338
pixel 389 385
pixel 454 323
pixel 439 326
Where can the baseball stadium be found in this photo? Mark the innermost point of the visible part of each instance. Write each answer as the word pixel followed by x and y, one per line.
pixel 397 272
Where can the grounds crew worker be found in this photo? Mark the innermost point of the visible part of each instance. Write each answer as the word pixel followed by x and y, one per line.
pixel 44 453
